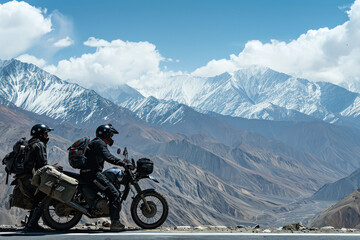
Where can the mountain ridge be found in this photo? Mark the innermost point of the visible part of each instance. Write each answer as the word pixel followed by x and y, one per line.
pixel 337 190
pixel 33 89
pixel 261 93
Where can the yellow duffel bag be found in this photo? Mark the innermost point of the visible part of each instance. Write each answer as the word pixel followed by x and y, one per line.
pixel 55 184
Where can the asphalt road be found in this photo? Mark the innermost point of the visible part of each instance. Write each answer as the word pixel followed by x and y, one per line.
pixel 183 236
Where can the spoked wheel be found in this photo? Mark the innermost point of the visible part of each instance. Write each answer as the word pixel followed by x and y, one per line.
pixel 59 216
pixel 152 217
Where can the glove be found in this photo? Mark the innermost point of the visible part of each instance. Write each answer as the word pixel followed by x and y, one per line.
pixel 128 164
pixel 58 167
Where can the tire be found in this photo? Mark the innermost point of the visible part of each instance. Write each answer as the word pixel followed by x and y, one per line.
pixel 140 215
pixel 50 213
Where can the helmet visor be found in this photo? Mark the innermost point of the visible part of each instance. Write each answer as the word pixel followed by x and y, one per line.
pixel 113 130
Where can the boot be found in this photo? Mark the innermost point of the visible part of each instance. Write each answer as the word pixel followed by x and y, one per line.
pixel 33 225
pixel 116 226
pixel 34 228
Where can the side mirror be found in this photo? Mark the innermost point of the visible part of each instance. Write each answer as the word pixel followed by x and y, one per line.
pixel 118 151
pixel 133 162
pixel 125 152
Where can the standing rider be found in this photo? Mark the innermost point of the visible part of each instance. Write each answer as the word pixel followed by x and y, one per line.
pixel 35 159
pixel 97 153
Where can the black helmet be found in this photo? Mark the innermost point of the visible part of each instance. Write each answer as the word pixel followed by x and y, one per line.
pixel 38 130
pixel 104 132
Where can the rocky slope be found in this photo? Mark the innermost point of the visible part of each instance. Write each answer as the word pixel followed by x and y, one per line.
pixel 196 195
pixel 344 214
pixel 339 189
pixel 334 146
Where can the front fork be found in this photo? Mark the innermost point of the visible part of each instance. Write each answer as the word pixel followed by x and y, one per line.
pixel 136 188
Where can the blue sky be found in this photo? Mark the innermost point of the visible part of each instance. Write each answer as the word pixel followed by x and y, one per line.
pixel 194 31
pixel 150 41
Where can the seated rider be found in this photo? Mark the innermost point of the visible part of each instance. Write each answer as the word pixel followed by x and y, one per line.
pixel 97 153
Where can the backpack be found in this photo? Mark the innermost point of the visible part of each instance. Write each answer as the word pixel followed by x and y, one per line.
pixel 77 151
pixel 15 161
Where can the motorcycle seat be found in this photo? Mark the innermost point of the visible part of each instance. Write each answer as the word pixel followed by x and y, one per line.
pixel 77 176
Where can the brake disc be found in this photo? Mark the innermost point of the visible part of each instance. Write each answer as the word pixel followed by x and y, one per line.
pixel 146 212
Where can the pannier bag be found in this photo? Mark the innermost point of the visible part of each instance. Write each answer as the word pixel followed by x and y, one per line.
pixel 145 166
pixel 77 151
pixel 55 184
pixel 20 200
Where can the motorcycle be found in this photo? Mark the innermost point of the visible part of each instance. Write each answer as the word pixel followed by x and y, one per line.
pixel 149 209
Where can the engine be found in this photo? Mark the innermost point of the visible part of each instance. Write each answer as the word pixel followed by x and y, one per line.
pixel 102 206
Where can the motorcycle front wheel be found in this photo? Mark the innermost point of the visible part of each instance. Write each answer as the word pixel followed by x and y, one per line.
pixel 59 216
pixel 158 210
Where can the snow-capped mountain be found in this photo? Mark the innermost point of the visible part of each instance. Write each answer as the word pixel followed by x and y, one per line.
pixel 121 94
pixel 156 111
pixel 35 90
pixel 253 93
pixel 161 112
pixel 260 93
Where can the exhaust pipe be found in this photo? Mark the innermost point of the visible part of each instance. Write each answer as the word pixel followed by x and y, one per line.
pixel 79 208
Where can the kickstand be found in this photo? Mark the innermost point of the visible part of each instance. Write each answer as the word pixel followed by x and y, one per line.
pixel 24 222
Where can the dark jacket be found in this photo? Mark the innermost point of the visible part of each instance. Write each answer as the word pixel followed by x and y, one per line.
pixel 97 153
pixel 37 156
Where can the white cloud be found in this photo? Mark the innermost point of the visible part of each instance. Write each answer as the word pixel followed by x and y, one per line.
pixel 216 67
pixel 320 55
pixel 65 42
pixel 94 42
pixel 344 7
pixel 21 25
pixel 113 63
pixel 31 59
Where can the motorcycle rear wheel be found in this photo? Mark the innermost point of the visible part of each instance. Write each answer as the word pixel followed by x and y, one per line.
pixel 59 216
pixel 153 218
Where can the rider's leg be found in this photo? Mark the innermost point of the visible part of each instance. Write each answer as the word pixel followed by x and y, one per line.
pixel 114 202
pixel 36 213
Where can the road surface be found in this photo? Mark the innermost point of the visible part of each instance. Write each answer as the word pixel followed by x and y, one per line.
pixel 96 235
